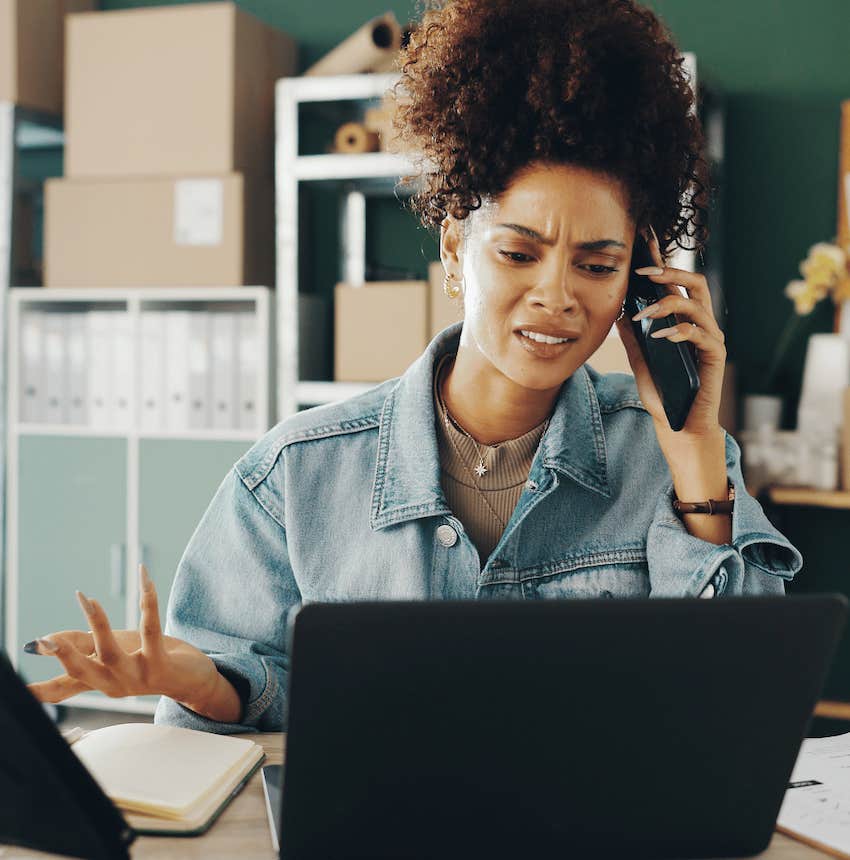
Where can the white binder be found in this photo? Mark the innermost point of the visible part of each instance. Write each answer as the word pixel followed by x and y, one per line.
pixel 152 394
pixel 55 348
pixel 248 361
pixel 32 404
pixel 77 342
pixel 99 368
pixel 199 371
pixel 123 384
pixel 177 369
pixel 223 369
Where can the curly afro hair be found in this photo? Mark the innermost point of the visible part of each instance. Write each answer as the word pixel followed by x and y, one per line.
pixel 489 86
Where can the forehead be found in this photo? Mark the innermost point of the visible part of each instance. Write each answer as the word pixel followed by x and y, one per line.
pixel 554 197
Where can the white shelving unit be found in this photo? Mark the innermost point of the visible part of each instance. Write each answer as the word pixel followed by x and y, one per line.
pixel 20 129
pixel 124 560
pixel 358 175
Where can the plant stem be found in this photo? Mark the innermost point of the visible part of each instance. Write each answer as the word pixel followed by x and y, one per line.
pixel 784 341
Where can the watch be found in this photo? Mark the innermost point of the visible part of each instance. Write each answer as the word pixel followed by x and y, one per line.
pixel 710 506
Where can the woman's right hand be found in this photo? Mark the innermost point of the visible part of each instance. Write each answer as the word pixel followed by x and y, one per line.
pixel 127 662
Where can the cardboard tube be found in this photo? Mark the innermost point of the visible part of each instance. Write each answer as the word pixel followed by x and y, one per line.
pixel 355 137
pixel 371 44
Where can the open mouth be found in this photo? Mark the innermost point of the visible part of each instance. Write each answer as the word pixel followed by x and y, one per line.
pixel 543 346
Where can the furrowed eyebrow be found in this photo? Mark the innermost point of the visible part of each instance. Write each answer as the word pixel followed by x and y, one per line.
pixel 595 245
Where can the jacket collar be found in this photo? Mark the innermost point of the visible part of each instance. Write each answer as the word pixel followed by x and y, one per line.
pixel 407 471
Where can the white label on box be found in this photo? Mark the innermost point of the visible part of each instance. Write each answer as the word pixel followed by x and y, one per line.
pixel 198 211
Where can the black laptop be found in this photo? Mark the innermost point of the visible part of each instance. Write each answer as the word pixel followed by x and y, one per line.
pixel 573 729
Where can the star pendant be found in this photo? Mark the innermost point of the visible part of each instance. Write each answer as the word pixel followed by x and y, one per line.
pixel 480 469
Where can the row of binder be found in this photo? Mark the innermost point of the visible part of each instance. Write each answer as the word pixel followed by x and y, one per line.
pixel 193 370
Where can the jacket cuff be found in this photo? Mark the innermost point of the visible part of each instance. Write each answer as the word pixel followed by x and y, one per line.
pixel 264 690
pixel 675 556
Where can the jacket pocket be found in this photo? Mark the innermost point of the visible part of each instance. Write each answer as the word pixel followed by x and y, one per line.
pixel 628 579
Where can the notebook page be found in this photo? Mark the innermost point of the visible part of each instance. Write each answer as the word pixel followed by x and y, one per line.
pixel 160 767
pixel 816 806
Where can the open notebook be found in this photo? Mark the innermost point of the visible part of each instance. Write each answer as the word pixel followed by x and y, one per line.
pixel 166 779
pixel 816 808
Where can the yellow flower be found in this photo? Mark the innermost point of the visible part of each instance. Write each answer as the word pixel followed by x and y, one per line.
pixel 804 297
pixel 825 263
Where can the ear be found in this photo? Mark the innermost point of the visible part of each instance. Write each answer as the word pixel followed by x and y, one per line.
pixel 451 246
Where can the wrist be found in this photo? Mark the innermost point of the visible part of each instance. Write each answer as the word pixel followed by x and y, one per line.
pixel 217 701
pixel 697 465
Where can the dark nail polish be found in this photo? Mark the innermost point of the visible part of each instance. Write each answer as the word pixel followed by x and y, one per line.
pixel 31 647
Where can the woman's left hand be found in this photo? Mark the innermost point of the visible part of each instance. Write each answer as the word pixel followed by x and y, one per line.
pixel 696 323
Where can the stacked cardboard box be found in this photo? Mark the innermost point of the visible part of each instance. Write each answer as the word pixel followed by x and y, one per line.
pixel 169 149
pixel 32 51
pixel 381 327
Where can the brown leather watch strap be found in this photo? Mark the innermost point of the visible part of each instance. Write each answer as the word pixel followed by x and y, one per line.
pixel 709 506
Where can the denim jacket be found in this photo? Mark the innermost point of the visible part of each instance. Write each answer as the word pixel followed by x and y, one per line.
pixel 343 502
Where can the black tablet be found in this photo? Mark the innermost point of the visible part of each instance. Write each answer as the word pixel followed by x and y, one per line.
pixel 48 800
pixel 663 728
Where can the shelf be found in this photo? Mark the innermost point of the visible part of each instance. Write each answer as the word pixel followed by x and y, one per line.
pixel 24 429
pixel 808 497
pixel 317 393
pixel 833 710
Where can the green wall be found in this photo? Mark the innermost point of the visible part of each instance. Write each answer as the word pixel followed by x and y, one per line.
pixel 783 69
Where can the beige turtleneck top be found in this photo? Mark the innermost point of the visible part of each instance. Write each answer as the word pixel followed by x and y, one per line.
pixel 483 504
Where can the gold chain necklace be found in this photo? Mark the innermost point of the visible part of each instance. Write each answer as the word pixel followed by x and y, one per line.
pixel 480 469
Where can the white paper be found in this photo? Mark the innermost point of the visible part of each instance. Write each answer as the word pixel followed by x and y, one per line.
pixel 32 367
pixel 817 803
pixel 152 370
pixel 198 212
pixel 224 370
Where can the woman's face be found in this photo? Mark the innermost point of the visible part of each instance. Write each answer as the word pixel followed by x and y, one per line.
pixel 550 255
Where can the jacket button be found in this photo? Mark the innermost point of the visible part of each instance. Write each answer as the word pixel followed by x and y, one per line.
pixel 446 535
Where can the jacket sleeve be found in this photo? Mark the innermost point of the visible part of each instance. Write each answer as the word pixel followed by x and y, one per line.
pixel 758 560
pixel 231 597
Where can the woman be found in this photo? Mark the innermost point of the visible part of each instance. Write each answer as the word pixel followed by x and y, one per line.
pixel 499 465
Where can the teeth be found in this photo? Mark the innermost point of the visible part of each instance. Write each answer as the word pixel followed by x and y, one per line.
pixel 544 338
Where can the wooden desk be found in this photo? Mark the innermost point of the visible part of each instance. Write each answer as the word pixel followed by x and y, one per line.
pixel 242 831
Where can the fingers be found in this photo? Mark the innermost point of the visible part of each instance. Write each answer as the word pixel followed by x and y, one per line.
pixel 78 665
pixel 678 304
pixel 106 646
pixel 57 689
pixel 707 345
pixel 149 626
pixel 695 284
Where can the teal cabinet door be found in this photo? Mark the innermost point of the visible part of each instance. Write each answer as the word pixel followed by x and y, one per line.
pixel 177 480
pixel 71 535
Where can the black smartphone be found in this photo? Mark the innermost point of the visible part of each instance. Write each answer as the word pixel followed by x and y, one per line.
pixel 672 365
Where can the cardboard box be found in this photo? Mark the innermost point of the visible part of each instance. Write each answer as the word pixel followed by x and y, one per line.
pixel 32 51
pixel 172 90
pixel 177 231
pixel 380 329
pixel 442 311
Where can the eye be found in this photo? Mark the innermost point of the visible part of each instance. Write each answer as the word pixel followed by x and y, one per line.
pixel 512 254
pixel 605 270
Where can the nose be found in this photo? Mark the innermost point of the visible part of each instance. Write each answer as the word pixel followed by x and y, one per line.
pixel 555 290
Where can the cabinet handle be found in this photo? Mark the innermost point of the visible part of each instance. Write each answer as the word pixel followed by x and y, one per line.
pixel 117 579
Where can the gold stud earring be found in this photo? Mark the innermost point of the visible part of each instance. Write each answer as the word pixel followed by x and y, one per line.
pixel 451 290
